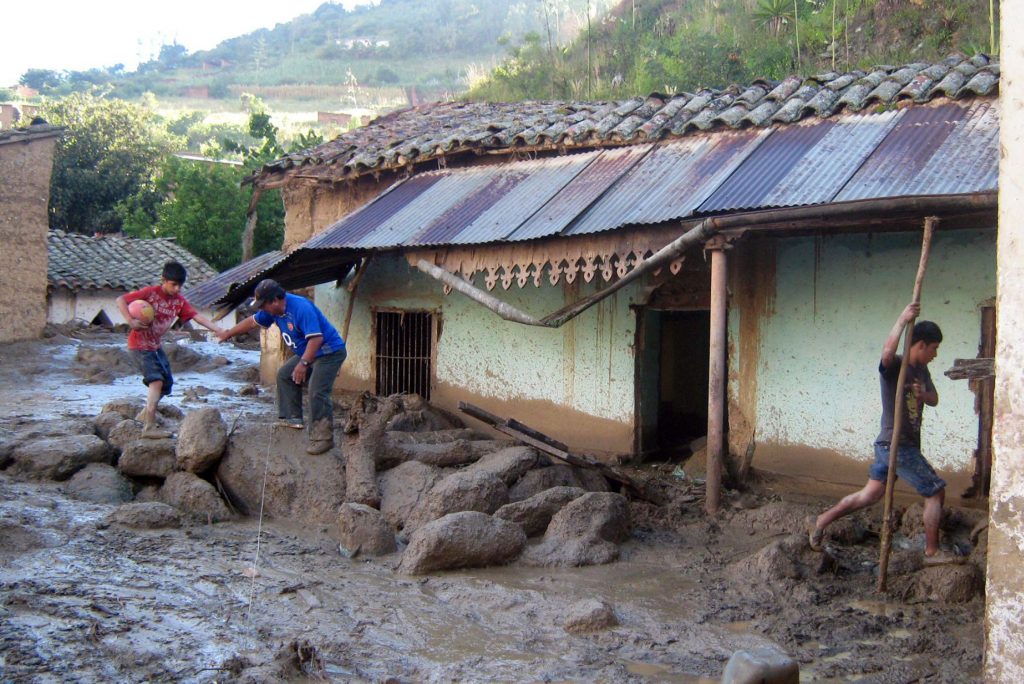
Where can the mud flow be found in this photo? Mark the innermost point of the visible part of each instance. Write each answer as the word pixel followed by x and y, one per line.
pixel 226 553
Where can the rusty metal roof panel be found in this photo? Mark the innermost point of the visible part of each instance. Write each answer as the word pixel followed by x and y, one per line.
pixel 926 153
pixel 671 181
pixel 582 191
pixel 206 294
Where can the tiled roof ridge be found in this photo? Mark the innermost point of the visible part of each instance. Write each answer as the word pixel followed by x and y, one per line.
pixel 83 262
pixel 406 137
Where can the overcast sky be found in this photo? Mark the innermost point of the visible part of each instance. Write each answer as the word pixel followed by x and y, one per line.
pixel 78 35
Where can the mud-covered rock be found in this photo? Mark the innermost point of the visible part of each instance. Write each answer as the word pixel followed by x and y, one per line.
pixel 402 488
pixel 788 558
pixel 148 458
pixel 150 515
pixel 468 539
pixel 201 440
pixel 126 408
pixel 509 464
pixel 761 666
pixel 148 493
pixel 18 538
pixel 911 522
pixel 105 422
pixel 57 458
pixel 586 531
pixel 298 487
pixel 420 416
pixel 100 483
pixel 540 479
pixel 124 433
pixel 589 615
pixel 461 491
pixel 535 513
pixel 364 530
pixel 948 583
pixel 194 497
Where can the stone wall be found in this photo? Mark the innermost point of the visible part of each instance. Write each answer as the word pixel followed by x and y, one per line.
pixel 1004 604
pixel 25 168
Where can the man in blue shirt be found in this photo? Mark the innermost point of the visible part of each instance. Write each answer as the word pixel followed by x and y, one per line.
pixel 319 352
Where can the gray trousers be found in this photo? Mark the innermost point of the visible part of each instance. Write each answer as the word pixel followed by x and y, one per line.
pixel 320 379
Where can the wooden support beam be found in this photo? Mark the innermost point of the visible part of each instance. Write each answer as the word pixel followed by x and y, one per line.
pixel 716 379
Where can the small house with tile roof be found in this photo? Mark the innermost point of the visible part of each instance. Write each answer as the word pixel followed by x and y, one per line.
pixel 26 162
pixel 86 274
pixel 633 275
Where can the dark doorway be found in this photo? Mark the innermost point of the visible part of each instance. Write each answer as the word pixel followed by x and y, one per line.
pixel 672 381
pixel 404 352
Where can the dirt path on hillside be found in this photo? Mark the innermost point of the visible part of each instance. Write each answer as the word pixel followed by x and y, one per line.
pixel 82 600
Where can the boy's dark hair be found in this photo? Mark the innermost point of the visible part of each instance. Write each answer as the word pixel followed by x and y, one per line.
pixel 927 332
pixel 175 272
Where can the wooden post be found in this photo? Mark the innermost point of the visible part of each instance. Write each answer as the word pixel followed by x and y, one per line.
pixel 716 379
pixel 897 413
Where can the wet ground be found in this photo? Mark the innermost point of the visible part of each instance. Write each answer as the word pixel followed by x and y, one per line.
pixel 84 601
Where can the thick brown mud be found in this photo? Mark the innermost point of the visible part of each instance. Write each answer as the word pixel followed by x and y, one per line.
pixel 84 600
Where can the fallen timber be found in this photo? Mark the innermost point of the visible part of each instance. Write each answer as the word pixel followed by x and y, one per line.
pixel 552 447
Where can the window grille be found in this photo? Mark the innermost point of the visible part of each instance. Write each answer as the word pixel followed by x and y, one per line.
pixel 403 352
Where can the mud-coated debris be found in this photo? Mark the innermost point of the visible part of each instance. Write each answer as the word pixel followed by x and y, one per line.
pixel 147 458
pixel 535 513
pixel 461 491
pixel 469 539
pixel 948 583
pixel 16 538
pixel 105 422
pixel 100 483
pixel 788 558
pixel 250 390
pixel 589 615
pixel 402 488
pixel 148 493
pixel 58 458
pixel 911 522
pixel 364 530
pixel 761 666
pixel 124 433
pixel 195 497
pixel 201 440
pixel 126 408
pixel 540 479
pixel 150 515
pixel 298 487
pixel 586 531
pixel 509 464
pixel 420 416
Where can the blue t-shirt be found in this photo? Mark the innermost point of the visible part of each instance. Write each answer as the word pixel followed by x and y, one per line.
pixel 301 321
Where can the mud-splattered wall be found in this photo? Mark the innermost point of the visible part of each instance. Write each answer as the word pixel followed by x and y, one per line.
pixel 806 334
pixel 25 168
pixel 576 382
pixel 1004 600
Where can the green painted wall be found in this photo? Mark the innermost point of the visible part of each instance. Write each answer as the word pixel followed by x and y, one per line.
pixel 835 300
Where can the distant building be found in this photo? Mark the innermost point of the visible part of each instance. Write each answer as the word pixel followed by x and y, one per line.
pixel 12 115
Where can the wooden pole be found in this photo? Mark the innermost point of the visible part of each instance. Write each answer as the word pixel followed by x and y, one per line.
pixel 352 288
pixel 716 382
pixel 897 416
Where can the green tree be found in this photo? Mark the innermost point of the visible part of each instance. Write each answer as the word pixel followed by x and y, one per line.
pixel 110 149
pixel 41 79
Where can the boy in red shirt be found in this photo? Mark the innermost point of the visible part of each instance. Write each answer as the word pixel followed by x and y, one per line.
pixel 144 338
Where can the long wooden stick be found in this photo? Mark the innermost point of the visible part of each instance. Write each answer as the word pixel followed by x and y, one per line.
pixel 897 419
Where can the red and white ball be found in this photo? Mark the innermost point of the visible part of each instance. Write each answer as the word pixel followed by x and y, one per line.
pixel 141 310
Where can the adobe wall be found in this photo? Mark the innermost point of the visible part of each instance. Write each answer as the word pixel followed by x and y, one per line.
pixel 24 195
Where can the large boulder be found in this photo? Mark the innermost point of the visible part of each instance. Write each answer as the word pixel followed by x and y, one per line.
pixel 298 487
pixel 761 666
pixel 105 422
pixel 535 513
pixel 195 497
pixel 124 433
pixel 469 539
pixel 149 515
pixel 402 488
pixel 58 458
pixel 586 532
pixel 948 583
pixel 789 558
pixel 126 408
pixel 201 440
pixel 99 483
pixel 561 475
pixel 589 615
pixel 509 464
pixel 464 490
pixel 147 458
pixel 364 530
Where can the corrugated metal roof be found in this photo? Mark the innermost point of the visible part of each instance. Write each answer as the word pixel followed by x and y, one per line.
pixel 945 149
pixel 204 296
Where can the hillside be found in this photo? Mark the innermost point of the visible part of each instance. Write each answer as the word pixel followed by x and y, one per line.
pixel 645 46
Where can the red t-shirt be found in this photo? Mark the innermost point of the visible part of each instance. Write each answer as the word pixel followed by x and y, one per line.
pixel 166 308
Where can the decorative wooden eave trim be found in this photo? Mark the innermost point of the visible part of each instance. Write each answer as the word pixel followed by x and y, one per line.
pixel 607 256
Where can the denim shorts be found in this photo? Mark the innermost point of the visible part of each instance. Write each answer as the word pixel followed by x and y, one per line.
pixel 154 366
pixel 911 466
